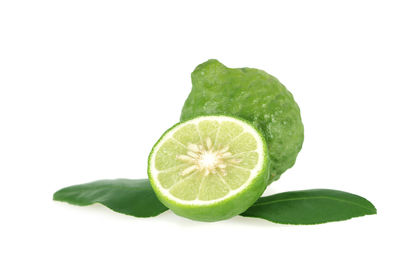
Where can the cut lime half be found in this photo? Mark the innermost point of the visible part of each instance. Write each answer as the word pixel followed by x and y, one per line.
pixel 209 168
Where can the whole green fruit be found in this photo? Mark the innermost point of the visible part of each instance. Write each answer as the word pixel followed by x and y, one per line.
pixel 256 96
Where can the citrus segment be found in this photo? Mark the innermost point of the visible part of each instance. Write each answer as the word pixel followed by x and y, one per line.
pixel 247 159
pixel 187 135
pixel 237 176
pixel 213 187
pixel 171 176
pixel 243 143
pixel 188 187
pixel 166 157
pixel 208 129
pixel 227 132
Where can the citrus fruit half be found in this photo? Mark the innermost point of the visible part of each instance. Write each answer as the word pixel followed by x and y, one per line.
pixel 209 168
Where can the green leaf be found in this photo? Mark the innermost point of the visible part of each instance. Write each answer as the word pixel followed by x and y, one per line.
pixel 130 197
pixel 136 198
pixel 310 207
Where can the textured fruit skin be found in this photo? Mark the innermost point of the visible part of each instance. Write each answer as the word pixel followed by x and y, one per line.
pixel 253 95
pixel 226 208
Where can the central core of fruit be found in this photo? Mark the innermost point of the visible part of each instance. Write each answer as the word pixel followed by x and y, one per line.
pixel 207 159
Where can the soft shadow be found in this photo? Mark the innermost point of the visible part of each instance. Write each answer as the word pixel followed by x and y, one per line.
pixel 255 222
pixel 171 217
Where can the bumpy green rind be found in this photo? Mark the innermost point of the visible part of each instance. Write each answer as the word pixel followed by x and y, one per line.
pixel 226 208
pixel 253 95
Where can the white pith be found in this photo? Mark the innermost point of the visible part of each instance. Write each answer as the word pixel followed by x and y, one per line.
pixel 216 159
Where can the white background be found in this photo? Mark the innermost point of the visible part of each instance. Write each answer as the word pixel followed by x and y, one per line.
pixel 87 87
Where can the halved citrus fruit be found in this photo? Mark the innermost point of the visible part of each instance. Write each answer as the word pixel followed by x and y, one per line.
pixel 209 168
